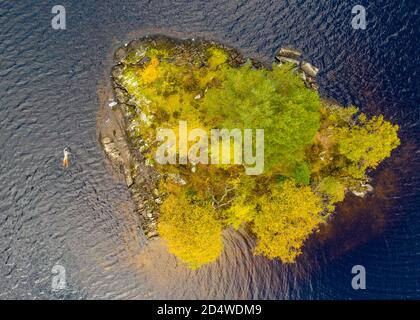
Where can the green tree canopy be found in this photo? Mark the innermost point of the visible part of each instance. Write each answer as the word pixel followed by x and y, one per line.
pixel 276 101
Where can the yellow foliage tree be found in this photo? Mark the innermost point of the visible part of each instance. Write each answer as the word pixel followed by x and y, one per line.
pixel 286 219
pixel 366 145
pixel 190 230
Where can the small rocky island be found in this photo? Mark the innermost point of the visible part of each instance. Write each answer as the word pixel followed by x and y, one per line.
pixel 314 151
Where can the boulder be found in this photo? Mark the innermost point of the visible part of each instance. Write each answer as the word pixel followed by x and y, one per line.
pixel 309 69
pixel 288 53
pixel 120 54
pixel 287 60
pixel 111 150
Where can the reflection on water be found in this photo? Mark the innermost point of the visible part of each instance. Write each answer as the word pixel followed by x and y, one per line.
pixel 83 217
pixel 237 273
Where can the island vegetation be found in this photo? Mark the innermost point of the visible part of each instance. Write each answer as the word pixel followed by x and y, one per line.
pixel 315 151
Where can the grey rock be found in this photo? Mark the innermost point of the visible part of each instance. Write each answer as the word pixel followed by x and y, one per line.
pixel 110 149
pixel 288 60
pixel 120 54
pixel 288 53
pixel 309 69
pixel 117 73
pixel 360 194
pixel 128 178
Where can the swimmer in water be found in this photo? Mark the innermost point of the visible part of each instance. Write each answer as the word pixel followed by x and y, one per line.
pixel 66 157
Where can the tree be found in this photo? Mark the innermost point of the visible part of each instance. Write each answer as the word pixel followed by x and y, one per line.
pixel 190 229
pixel 366 144
pixel 302 174
pixel 333 189
pixel 276 101
pixel 286 219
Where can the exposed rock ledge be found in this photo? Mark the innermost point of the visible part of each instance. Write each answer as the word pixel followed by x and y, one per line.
pixel 308 71
pixel 139 178
pixel 128 162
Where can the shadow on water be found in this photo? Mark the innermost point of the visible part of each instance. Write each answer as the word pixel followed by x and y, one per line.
pixel 358 220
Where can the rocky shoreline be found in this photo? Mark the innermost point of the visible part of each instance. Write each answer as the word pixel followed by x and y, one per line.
pixel 307 71
pixel 114 120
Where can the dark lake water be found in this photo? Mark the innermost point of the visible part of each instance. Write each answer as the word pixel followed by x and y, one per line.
pixel 82 218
